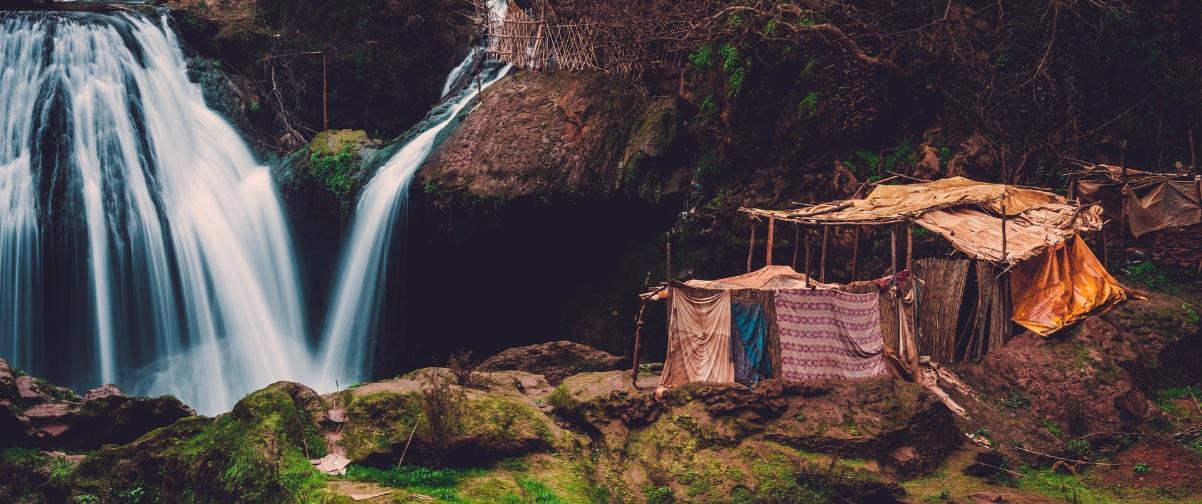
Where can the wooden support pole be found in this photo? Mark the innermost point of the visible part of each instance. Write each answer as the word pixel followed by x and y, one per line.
pixel 1193 158
pixel 638 331
pixel 751 247
pixel 909 247
pixel 826 231
pixel 1123 214
pixel 855 251
pixel 1003 231
pixel 897 295
pixel 796 242
pixel 893 249
pixel 807 261
pixel 771 242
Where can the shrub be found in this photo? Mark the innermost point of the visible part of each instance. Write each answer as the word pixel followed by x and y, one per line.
pixel 443 406
pixel 463 367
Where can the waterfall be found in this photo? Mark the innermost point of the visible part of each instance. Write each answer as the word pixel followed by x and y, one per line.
pixel 358 294
pixel 139 239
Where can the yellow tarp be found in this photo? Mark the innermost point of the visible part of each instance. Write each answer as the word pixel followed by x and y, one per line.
pixel 891 203
pixel 1059 288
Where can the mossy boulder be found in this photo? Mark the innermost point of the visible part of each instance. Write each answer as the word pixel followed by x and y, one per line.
pixel 497 421
pixel 555 360
pixel 257 453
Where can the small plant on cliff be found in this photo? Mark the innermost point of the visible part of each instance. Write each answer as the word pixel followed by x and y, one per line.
pixel 336 171
pixel 703 57
pixel 1142 468
pixel 1015 399
pixel 808 106
pixel 1148 274
pixel 463 366
pixel 658 494
pixel 443 406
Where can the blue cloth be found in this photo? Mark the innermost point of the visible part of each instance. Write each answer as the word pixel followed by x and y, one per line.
pixel 750 347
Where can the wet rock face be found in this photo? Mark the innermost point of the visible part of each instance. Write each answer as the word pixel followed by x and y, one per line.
pixel 384 60
pixel 550 134
pixel 37 414
pixel 555 360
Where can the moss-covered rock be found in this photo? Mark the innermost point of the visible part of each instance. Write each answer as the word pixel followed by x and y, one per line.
pixel 496 422
pixel 257 453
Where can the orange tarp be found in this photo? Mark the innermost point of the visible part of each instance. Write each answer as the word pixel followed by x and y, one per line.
pixel 1060 287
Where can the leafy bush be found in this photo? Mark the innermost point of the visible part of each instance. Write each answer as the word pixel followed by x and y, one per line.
pixel 405 476
pixel 463 366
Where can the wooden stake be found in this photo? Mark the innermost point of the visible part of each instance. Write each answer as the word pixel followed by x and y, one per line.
pixel 897 294
pixel 893 249
pixel 796 242
pixel 771 241
pixel 855 252
pixel 751 247
pixel 826 230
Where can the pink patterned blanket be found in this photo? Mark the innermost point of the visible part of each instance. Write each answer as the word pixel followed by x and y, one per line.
pixel 829 334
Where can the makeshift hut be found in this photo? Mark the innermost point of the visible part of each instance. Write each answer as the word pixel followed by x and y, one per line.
pixel 1142 202
pixel 1023 262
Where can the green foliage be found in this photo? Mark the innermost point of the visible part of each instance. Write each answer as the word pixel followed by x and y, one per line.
pixel 658 495
pixel 561 399
pixel 707 167
pixel 336 172
pixel 407 476
pixel 537 492
pixel 703 57
pixel 770 27
pixel 1052 427
pixel 1067 487
pixel 1142 468
pixel 708 105
pixel 808 106
pixel 1191 314
pixel 1078 448
pixel 255 107
pixel 1015 399
pixel 730 57
pixel 61 470
pixel 734 82
pixel 1148 274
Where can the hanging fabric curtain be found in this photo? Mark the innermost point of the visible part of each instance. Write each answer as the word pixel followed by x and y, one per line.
pixel 699 347
pixel 750 326
pixel 829 334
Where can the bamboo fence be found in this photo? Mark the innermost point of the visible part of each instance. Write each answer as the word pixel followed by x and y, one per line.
pixel 939 309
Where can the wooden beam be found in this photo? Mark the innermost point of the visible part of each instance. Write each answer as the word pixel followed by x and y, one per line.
pixel 638 331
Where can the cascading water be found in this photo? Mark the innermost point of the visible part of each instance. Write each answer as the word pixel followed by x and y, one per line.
pixel 357 297
pixel 138 236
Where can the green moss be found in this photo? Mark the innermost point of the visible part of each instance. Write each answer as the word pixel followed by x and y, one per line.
pixel 658 494
pixel 335 159
pixel 561 399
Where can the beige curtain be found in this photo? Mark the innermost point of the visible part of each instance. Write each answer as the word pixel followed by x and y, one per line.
pixel 698 338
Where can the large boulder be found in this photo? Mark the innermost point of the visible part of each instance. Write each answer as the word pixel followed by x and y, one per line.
pixel 490 420
pixel 38 414
pixel 554 360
